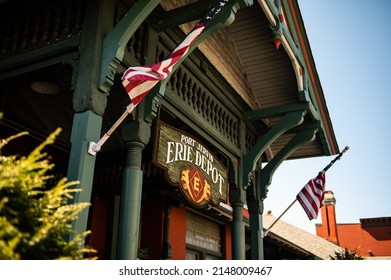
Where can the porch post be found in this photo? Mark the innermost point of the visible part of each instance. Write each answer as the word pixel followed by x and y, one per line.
pixel 136 136
pixel 88 104
pixel 237 202
pixel 292 116
pixel 86 128
pixel 238 230
pixel 255 209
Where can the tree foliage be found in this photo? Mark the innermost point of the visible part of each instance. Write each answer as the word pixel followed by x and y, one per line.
pixel 35 217
pixel 346 254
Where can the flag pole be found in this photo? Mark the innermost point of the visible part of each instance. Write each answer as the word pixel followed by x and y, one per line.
pixel 334 160
pixel 264 233
pixel 93 147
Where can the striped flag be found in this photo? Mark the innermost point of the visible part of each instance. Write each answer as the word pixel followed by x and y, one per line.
pixel 139 80
pixel 311 195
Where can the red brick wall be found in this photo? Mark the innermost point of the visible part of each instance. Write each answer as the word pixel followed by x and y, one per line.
pixel 349 236
pixel 333 224
pixel 328 228
pixel 376 240
pixel 364 240
pixel 367 239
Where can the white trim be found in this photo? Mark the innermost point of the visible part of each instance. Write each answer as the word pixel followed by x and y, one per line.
pixel 267 11
pixel 295 63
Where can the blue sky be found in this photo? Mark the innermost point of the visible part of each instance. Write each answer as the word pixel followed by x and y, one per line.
pixel 351 44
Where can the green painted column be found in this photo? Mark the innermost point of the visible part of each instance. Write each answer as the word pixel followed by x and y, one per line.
pixel 255 209
pixel 256 238
pixel 305 134
pixel 293 116
pixel 88 103
pixel 130 203
pixel 86 128
pixel 238 230
pixel 237 202
pixel 136 135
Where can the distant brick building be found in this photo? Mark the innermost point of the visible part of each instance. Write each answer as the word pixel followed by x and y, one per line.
pixel 371 238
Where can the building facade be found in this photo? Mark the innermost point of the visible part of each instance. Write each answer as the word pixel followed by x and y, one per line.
pixel 180 177
pixel 370 238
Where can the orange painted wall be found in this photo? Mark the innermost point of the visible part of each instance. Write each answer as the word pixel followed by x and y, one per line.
pixel 228 243
pixel 178 233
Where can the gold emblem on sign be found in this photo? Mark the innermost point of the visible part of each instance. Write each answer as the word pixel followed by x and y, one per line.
pixel 195 186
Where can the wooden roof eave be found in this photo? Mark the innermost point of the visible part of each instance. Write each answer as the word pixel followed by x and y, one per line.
pixel 308 83
pixel 316 94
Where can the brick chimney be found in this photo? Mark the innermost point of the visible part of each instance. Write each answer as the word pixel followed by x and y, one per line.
pixel 328 228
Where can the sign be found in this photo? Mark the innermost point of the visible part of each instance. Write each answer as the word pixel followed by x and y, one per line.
pixel 201 177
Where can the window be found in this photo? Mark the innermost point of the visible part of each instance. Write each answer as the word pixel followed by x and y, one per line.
pixel 203 238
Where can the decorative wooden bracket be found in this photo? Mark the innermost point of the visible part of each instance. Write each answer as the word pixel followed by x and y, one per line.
pixel 292 118
pixel 306 133
pixel 114 43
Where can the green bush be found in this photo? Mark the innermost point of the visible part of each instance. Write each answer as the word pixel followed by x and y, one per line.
pixel 346 254
pixel 35 218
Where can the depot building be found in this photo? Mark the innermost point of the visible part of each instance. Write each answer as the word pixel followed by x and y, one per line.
pixel 185 174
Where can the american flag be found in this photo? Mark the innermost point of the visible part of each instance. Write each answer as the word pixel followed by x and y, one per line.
pixel 139 80
pixel 311 195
